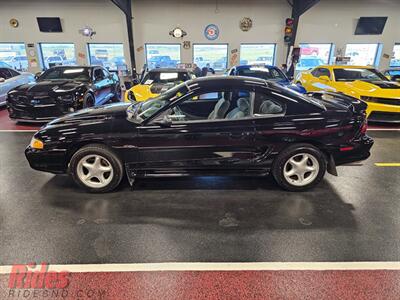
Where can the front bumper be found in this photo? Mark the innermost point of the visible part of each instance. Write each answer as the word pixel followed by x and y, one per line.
pixel 383 113
pixel 23 108
pixel 360 151
pixel 47 160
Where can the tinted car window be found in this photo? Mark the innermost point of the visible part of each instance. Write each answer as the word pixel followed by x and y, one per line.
pixel 266 104
pixel 263 73
pixel 13 73
pixel 78 74
pixel 5 73
pixel 351 74
pixel 98 74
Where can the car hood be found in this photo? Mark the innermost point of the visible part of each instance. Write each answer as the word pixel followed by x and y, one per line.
pixel 97 113
pixel 375 88
pixel 47 86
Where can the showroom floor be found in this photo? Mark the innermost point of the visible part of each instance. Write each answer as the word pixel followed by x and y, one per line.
pixel 353 217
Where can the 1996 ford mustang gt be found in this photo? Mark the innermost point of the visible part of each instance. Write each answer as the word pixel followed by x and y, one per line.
pixel 207 126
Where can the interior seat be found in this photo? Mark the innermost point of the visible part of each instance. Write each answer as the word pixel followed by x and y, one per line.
pixel 220 109
pixel 242 110
pixel 268 107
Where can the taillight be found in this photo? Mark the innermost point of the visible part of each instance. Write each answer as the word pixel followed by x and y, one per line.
pixel 364 127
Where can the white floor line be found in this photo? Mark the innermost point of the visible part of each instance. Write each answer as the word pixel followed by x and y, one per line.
pixel 261 266
pixel 383 129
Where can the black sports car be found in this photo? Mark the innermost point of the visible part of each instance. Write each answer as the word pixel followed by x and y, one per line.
pixel 207 126
pixel 60 90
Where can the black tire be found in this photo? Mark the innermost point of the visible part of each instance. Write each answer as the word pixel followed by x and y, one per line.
pixel 88 101
pixel 283 157
pixel 117 95
pixel 103 151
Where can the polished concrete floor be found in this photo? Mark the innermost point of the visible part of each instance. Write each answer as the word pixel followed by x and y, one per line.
pixel 353 217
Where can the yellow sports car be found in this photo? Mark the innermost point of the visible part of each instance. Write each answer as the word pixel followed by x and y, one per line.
pixel 365 83
pixel 155 82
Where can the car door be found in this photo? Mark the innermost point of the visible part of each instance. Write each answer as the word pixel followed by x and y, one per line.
pixel 202 145
pixel 100 84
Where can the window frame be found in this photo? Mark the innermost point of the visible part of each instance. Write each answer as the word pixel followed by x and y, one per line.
pixel 25 48
pixel 212 44
pixel 377 52
pixel 145 51
pixel 331 51
pixel 40 52
pixel 390 65
pixel 273 56
pixel 108 43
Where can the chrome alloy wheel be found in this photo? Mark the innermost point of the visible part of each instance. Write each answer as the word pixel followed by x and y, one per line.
pixel 301 169
pixel 95 171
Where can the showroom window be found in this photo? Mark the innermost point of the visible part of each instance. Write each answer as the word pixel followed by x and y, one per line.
pixel 14 56
pixel 257 54
pixel 213 55
pixel 111 56
pixel 163 55
pixel 312 55
pixel 395 60
pixel 60 54
pixel 362 54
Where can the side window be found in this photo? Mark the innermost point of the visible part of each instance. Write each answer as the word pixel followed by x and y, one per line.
pixel 213 105
pixel 4 73
pixel 267 105
pixel 315 72
pixel 13 73
pixel 324 72
pixel 106 74
pixel 98 74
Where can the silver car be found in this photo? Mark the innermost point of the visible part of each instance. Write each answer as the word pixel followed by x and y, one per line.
pixel 9 79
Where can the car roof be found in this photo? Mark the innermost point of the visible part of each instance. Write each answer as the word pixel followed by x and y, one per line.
pixel 74 67
pixel 344 66
pixel 254 65
pixel 219 80
pixel 168 70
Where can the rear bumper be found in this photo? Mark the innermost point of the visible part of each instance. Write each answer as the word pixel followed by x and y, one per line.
pixel 360 151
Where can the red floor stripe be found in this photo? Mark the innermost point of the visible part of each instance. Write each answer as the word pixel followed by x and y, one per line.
pixel 360 284
pixel 7 124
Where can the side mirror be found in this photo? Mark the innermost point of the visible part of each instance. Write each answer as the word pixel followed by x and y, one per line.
pixel 324 78
pixel 2 79
pixel 165 122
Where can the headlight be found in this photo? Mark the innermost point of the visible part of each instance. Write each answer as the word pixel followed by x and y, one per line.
pixel 68 98
pixel 36 144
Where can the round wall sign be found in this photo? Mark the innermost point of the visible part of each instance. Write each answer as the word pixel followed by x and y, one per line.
pixel 211 32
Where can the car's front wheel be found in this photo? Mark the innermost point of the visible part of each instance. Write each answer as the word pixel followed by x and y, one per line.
pixel 299 167
pixel 96 168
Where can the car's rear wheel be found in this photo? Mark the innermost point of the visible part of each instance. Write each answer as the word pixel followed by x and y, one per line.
pixel 299 167
pixel 96 168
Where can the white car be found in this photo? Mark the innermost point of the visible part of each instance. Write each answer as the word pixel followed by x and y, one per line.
pixel 9 79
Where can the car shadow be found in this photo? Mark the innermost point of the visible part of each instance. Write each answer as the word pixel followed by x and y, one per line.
pixel 206 203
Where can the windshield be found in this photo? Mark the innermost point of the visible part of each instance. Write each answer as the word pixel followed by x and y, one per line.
pixel 351 74
pixel 139 112
pixel 263 73
pixel 78 74
pixel 165 77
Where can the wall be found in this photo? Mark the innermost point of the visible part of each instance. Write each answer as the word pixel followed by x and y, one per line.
pixel 335 22
pixel 102 15
pixel 328 21
pixel 153 19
